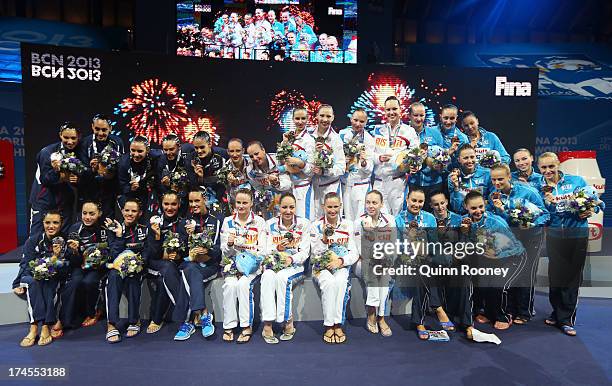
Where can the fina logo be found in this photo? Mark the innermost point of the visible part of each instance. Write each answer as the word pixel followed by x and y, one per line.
pixel 505 88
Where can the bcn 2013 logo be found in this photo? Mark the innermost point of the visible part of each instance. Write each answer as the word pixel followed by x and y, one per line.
pixel 505 88
pixel 72 67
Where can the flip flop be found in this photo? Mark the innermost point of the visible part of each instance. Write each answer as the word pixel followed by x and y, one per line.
pixel 27 342
pixel 340 338
pixel 520 320
pixel 329 339
pixel 373 328
pixel 43 341
pixel 568 330
pixel 286 336
pixel 423 334
pixel 134 329
pixel 504 327
pixel 270 339
pixel 88 322
pixel 57 333
pixel 550 322
pixel 228 336
pixel 448 326
pixel 247 335
pixel 386 332
pixel 112 333
pixel 154 327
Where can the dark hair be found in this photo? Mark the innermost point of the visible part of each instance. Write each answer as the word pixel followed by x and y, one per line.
pixel 392 98
pixel 69 126
pixel 255 143
pixel 435 193
pixel 468 113
pixel 197 190
pixel 246 191
pixel 472 194
pixel 172 137
pixel 522 149
pixel 171 193
pixel 378 193
pixel 53 212
pixel 286 194
pixel 331 195
pixel 141 139
pixel 96 203
pixel 415 189
pixel 102 117
pixel 203 135
pixel 235 140
pixel 464 147
pixel 135 200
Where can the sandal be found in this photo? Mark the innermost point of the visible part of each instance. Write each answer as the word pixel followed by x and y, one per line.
pixel 45 340
pixel 246 335
pixel 27 341
pixel 132 330
pixel 111 334
pixel 386 331
pixel 329 338
pixel 154 327
pixel 228 336
pixel 468 334
pixel 480 318
pixel 286 336
pixel 423 334
pixel 520 320
pixel 373 328
pixel 448 326
pixel 90 321
pixel 57 333
pixel 502 325
pixel 550 322
pixel 269 339
pixel 339 338
pixel 568 330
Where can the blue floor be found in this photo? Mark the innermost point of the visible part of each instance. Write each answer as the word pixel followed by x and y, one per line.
pixel 529 355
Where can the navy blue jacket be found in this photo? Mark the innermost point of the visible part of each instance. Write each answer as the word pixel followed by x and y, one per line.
pixel 88 236
pixel 154 247
pixel 35 246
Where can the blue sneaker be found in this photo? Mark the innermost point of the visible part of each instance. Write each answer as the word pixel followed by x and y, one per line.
pixel 185 331
pixel 208 328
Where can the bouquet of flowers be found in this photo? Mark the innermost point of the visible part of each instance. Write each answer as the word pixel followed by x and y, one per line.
pixel 583 200
pixel 223 173
pixel 179 180
pixel 491 241
pixel 172 242
pixel 352 148
pixel 319 262
pixel 127 263
pixel 407 159
pixel 228 266
pixel 264 200
pixel 44 268
pixel 489 159
pixel 71 164
pixel 524 215
pixel 284 149
pixel 324 159
pixel 202 240
pixel 274 261
pixel 109 158
pixel 95 256
pixel 440 157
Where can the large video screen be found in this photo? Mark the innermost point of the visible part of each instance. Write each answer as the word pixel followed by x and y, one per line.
pixel 323 31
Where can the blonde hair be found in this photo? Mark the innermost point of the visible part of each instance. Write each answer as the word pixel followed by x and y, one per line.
pixel 549 154
pixel 501 166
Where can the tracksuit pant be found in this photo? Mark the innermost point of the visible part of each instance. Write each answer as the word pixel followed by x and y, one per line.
pixel 238 290
pixel 522 292
pixel 353 197
pixel 82 281
pixel 277 293
pixel 115 285
pixel 320 190
pixel 393 190
pixel 167 288
pixel 41 299
pixel 376 295
pixel 567 257
pixel 192 295
pixel 335 294
pixel 304 200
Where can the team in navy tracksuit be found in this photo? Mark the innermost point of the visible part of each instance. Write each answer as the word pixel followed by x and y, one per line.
pixel 205 161
pixel 133 238
pixel 83 234
pixel 138 176
pixel 103 189
pixel 49 190
pixel 453 293
pixel 169 282
pixel 195 274
pixel 507 252
pixel 174 159
pixel 566 241
pixel 505 197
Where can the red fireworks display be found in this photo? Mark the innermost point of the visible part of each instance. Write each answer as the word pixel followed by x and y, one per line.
pixel 156 108
pixel 283 104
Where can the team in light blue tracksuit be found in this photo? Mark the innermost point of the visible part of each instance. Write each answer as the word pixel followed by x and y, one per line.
pixel 479 179
pixel 490 141
pixel 428 178
pixel 534 179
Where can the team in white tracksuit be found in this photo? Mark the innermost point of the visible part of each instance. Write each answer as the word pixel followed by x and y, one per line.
pixel 329 180
pixel 390 141
pixel 277 287
pixel 249 236
pixel 356 180
pixel 380 230
pixel 335 287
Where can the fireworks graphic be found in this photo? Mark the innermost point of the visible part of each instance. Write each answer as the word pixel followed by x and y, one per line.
pixel 283 104
pixel 156 108
pixel 383 86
